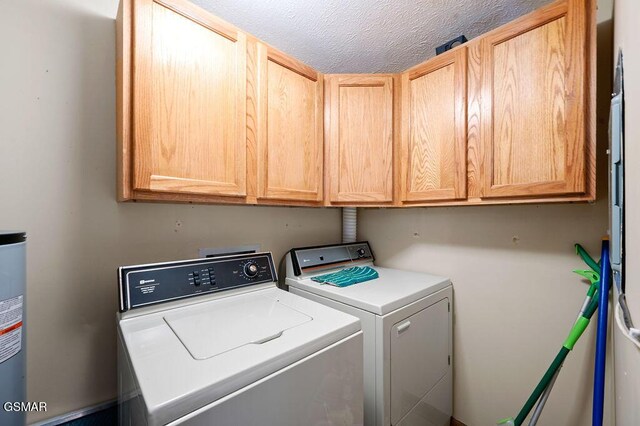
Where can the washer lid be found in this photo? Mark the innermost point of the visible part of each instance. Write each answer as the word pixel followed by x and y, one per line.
pixel 177 374
pixel 207 333
pixel 392 290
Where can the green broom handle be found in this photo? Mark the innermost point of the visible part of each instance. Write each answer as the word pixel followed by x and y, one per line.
pixel 587 258
pixel 575 333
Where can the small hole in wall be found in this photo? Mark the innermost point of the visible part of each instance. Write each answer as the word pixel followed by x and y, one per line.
pixel 515 239
pixel 416 235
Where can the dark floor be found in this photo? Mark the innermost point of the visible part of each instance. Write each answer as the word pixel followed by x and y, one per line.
pixel 107 417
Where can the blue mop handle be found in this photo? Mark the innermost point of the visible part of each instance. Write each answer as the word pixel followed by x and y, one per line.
pixel 601 338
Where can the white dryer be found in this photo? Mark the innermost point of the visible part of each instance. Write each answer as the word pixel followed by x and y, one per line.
pixel 407 324
pixel 215 342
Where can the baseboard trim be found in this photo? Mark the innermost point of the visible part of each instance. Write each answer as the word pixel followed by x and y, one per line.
pixel 455 422
pixel 74 415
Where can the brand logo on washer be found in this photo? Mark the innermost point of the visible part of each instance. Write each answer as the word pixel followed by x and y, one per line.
pixel 146 281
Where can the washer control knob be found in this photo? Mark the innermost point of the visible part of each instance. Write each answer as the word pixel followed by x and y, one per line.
pixel 361 252
pixel 251 269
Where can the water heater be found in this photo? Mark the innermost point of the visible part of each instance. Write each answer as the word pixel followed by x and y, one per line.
pixel 12 325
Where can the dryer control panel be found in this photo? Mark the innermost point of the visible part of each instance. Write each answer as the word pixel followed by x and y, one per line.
pixel 306 259
pixel 143 285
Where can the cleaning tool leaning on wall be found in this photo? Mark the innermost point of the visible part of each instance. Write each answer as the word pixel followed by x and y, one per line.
pixel 592 300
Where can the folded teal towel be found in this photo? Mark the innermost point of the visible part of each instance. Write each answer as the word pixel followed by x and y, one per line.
pixel 347 277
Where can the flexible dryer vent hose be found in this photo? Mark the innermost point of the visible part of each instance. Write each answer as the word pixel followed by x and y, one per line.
pixel 349 224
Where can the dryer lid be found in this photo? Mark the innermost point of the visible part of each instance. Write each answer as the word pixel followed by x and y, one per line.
pixel 206 333
pixel 392 290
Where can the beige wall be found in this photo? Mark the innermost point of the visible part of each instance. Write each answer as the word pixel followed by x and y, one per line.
pixel 515 297
pixel 627 18
pixel 57 180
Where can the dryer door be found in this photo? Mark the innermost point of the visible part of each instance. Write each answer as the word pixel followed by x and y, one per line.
pixel 419 356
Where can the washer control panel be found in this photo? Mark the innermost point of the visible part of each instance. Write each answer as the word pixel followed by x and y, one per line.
pixel 143 285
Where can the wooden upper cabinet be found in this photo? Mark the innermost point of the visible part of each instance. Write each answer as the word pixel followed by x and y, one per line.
pixel 189 101
pixel 536 132
pixel 359 117
pixel 434 129
pixel 207 113
pixel 289 129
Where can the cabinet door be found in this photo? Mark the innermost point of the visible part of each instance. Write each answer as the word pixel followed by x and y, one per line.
pixel 360 130
pixel 290 128
pixel 189 101
pixel 534 104
pixel 434 129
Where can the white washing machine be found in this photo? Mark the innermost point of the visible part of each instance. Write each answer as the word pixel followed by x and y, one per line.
pixel 215 342
pixel 407 324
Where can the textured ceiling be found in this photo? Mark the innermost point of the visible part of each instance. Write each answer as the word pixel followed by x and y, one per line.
pixel 354 36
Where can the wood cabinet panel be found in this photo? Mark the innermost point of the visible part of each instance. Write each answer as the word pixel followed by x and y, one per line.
pixel 360 132
pixel 123 101
pixel 189 101
pixel 475 165
pixel 532 143
pixel 290 135
pixel 529 107
pixel 434 129
pixel 206 113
